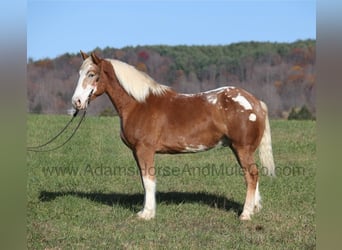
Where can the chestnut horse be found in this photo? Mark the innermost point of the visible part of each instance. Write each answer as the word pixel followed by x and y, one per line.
pixel 156 119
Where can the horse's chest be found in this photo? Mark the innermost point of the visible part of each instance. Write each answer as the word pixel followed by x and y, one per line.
pixel 129 136
pixel 125 139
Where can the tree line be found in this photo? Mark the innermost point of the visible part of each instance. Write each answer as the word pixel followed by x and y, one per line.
pixel 281 74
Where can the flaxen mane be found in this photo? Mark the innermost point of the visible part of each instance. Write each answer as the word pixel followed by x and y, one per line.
pixel 136 83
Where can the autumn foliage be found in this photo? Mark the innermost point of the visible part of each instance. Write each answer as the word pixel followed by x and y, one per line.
pixel 281 74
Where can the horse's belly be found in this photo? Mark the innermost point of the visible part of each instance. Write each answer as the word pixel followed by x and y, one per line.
pixel 195 148
pixel 190 145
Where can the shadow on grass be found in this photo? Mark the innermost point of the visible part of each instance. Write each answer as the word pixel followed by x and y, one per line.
pixel 135 201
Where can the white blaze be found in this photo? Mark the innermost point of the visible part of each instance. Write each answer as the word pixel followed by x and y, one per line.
pixel 82 93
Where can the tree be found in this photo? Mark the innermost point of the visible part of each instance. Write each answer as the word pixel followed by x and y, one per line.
pixel 282 74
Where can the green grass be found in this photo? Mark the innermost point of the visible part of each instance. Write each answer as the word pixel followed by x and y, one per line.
pixel 86 194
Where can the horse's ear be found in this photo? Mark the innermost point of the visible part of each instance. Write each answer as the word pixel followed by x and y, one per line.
pixel 84 55
pixel 95 58
pixel 107 70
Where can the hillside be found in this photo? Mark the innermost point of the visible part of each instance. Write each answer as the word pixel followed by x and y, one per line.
pixel 281 74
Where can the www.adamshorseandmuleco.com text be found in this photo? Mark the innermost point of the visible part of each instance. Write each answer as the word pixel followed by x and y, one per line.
pixel 187 170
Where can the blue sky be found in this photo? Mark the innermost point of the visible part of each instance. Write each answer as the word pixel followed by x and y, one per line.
pixel 56 27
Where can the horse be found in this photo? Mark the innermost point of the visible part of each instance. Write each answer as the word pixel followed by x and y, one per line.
pixel 155 119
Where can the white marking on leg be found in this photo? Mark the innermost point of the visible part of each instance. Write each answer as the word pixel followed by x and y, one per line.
pixel 247 208
pixel 252 117
pixel 242 101
pixel 149 209
pixel 252 204
pixel 257 199
pixel 252 199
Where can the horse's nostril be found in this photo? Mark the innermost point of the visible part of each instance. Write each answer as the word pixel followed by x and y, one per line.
pixel 77 103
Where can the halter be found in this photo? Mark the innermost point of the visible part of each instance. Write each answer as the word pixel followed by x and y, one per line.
pixel 39 147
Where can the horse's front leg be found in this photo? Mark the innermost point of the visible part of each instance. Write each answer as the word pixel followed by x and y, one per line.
pixel 145 160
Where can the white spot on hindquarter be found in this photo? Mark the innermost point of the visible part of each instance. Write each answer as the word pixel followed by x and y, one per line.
pixel 252 117
pixel 242 101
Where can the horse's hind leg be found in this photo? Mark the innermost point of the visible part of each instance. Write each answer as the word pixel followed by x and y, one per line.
pixel 246 160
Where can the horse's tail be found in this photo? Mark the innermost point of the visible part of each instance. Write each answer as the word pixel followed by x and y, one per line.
pixel 265 147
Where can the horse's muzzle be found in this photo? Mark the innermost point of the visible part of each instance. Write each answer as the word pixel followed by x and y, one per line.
pixel 80 104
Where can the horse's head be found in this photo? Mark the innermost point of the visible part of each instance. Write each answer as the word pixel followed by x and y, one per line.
pixel 89 84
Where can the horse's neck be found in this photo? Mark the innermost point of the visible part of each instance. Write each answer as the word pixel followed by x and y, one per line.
pixel 122 102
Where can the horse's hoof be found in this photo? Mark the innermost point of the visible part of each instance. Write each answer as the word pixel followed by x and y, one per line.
pixel 245 217
pixel 146 214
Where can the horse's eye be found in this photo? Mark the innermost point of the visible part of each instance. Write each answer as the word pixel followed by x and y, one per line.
pixel 91 75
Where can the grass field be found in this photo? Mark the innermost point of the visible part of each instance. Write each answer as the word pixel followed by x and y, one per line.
pixel 86 194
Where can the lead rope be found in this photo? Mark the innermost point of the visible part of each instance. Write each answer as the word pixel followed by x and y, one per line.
pixel 38 148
